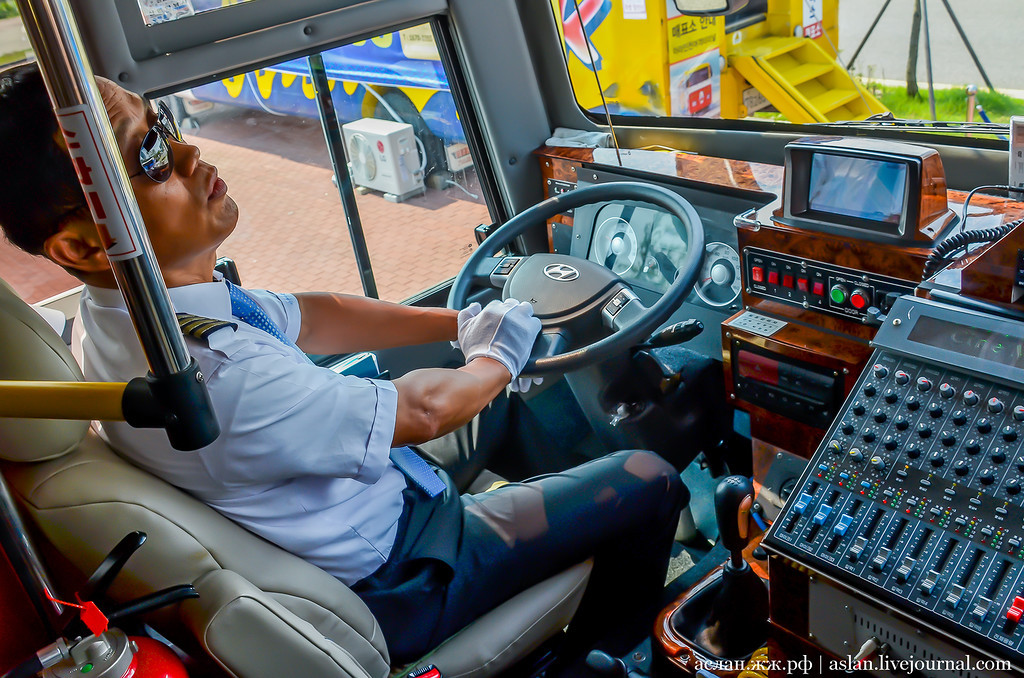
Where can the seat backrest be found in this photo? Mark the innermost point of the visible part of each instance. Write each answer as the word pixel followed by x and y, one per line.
pixel 85 498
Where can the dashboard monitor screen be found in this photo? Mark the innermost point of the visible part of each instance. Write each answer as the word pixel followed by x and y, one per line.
pixel 863 188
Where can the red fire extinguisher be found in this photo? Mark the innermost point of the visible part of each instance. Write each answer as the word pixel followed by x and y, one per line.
pixel 91 648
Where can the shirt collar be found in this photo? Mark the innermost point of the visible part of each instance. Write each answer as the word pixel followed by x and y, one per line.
pixel 209 300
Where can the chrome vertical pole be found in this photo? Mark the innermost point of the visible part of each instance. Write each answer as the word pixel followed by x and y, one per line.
pixel 174 377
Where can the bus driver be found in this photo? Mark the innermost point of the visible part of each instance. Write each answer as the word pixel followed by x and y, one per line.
pixel 305 458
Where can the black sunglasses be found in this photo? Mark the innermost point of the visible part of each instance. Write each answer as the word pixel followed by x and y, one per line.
pixel 155 154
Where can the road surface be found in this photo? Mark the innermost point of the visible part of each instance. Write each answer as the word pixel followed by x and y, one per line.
pixel 994 28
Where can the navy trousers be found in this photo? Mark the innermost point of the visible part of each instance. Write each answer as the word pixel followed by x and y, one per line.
pixel 456 558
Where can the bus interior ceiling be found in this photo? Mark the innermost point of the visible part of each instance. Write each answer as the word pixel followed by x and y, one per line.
pixel 828 369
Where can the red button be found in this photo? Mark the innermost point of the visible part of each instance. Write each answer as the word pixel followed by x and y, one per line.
pixel 818 289
pixel 773 277
pixel 1016 611
pixel 787 281
pixel 757 274
pixel 858 300
pixel 801 284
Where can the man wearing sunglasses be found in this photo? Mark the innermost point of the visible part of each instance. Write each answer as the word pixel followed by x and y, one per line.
pixel 306 456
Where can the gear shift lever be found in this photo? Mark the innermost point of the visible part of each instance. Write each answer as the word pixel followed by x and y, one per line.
pixel 728 618
pixel 733 498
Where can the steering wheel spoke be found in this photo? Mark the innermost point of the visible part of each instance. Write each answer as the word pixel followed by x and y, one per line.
pixel 494 271
pixel 622 310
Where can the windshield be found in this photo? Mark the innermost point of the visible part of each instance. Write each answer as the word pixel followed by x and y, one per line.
pixel 812 62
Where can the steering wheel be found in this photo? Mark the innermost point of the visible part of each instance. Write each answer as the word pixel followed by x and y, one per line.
pixel 576 300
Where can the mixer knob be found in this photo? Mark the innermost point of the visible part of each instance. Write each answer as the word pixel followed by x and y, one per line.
pixel 973 446
pixel 869 436
pixel 959 417
pixel 936 459
pixel 891 395
pixel 878 464
pixel 856 455
pixel 924 384
pixel 901 423
pixel 847 428
pixel 995 405
pixel 835 447
pixel 1009 434
pixel 935 410
pixel 1020 464
pixel 961 468
pixel 880 371
pixel 986 477
pixel 913 403
pixel 1013 486
pixel 901 378
pixel 1018 413
pixel 891 442
pixel 984 425
pixel 948 439
pixel 924 430
pixel 946 391
pixel 998 455
pixel 870 390
pixel 858 408
pixel 971 398
pixel 881 416
pixel 913 451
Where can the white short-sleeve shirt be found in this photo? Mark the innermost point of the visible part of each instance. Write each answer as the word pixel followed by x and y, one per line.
pixel 303 455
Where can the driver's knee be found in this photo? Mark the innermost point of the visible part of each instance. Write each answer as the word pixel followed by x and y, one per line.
pixel 660 486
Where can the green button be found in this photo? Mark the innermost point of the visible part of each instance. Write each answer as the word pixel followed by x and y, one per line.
pixel 838 295
pixel 86 668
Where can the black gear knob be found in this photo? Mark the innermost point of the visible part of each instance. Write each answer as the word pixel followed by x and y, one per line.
pixel 733 498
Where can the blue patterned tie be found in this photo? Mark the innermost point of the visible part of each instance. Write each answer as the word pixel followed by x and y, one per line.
pixel 417 470
pixel 248 311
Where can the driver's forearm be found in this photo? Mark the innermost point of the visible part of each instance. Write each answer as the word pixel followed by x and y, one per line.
pixel 342 323
pixel 432 402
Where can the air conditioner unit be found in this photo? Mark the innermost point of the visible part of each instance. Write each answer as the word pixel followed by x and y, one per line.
pixel 382 156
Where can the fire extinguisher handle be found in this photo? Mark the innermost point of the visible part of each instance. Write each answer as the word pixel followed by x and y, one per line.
pixel 153 601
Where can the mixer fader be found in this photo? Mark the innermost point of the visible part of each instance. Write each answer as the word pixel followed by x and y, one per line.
pixel 915 494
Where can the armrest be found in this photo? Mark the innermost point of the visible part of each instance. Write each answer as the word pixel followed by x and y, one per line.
pixel 252 635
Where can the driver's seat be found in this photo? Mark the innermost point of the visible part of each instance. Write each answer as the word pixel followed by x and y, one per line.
pixel 262 611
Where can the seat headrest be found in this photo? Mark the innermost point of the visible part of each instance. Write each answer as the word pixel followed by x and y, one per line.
pixel 31 351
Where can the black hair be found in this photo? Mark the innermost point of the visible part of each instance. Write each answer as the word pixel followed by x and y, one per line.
pixel 38 186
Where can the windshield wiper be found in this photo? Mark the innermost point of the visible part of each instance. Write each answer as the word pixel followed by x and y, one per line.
pixel 887 121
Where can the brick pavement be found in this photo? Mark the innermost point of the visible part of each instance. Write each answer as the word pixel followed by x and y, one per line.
pixel 291 232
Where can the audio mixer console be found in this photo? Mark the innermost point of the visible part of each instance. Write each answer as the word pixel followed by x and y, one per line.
pixel 915 498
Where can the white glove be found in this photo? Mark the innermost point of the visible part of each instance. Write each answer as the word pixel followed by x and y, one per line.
pixel 465 315
pixel 523 384
pixel 503 330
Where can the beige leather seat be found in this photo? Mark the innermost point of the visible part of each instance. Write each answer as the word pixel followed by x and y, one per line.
pixel 261 610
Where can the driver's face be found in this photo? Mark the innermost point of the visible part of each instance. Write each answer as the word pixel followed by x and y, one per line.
pixel 189 215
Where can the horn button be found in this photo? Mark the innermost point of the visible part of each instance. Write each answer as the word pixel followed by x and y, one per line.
pixel 558 285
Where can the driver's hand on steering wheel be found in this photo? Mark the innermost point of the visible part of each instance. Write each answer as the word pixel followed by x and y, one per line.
pixel 504 331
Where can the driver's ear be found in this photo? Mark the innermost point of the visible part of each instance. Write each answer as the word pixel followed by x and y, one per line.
pixel 77 246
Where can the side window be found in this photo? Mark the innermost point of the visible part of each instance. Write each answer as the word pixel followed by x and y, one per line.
pixel 417 195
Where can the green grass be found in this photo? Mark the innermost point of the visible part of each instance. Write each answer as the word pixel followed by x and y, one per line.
pixel 950 104
pixel 8 9
pixel 11 57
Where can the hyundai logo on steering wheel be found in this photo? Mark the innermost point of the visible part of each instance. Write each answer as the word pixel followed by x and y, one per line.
pixel 561 272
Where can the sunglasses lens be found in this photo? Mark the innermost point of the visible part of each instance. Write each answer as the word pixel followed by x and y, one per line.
pixel 166 119
pixel 156 157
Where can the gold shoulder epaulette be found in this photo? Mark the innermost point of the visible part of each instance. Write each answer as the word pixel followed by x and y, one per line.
pixel 198 327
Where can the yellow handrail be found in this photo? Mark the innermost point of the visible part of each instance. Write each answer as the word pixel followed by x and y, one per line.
pixel 62 400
